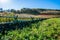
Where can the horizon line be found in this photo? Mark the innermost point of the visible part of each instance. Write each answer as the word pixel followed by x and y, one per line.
pixel 31 8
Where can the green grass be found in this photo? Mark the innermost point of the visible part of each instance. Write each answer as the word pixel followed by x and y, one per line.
pixel 4 19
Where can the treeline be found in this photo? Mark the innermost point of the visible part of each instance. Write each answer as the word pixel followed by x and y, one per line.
pixel 35 11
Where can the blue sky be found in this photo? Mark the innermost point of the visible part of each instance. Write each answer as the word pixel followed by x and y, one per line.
pixel 18 4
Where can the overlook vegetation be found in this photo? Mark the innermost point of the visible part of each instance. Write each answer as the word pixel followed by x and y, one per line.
pixel 44 30
pixel 31 27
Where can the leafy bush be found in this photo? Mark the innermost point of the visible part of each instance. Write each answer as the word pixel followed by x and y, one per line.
pixel 45 30
pixel 50 28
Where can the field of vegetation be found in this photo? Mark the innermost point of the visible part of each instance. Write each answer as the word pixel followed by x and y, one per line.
pixel 43 30
pixel 29 24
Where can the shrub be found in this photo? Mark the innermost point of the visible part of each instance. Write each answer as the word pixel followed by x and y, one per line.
pixel 45 30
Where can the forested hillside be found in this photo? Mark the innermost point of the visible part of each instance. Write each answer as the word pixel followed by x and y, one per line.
pixel 34 11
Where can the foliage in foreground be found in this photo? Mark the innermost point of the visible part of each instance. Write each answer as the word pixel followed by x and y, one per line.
pixel 46 30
